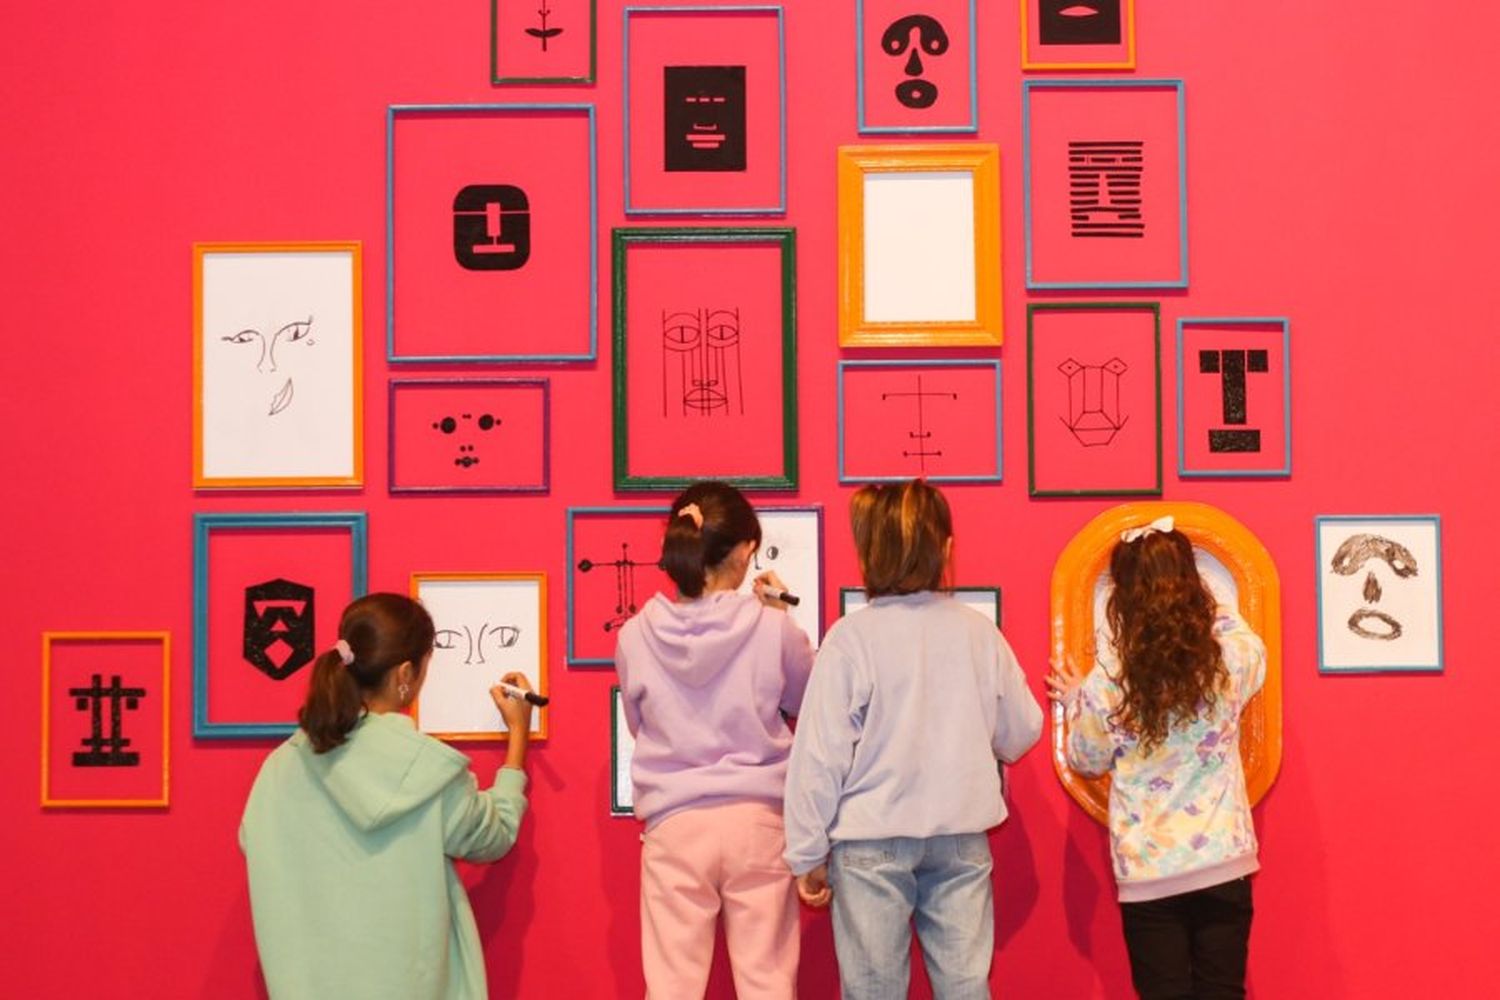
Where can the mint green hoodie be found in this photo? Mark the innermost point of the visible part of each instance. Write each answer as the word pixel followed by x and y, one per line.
pixel 351 885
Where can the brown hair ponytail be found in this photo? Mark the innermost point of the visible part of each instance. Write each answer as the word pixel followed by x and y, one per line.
pixel 383 631
pixel 707 521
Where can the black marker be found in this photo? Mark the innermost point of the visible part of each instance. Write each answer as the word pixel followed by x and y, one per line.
pixel 784 596
pixel 540 701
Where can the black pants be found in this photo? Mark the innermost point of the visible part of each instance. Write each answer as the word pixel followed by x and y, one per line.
pixel 1192 946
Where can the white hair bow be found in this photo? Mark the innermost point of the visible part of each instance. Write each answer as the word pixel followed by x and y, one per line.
pixel 1165 523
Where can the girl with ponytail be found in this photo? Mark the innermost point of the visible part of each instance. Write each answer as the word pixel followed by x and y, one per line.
pixel 347 818
pixel 708 678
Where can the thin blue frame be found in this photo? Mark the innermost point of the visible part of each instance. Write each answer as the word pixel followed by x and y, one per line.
pixel 1183 322
pixel 545 486
pixel 203 526
pixel 1027 86
pixel 1437 530
pixel 999 475
pixel 568 630
pixel 391 113
pixel 845 592
pixel 708 210
pixel 859 83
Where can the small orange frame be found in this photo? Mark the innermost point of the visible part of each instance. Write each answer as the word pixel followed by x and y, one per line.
pixel 1082 562
pixel 1028 63
pixel 980 159
pixel 356 477
pixel 165 638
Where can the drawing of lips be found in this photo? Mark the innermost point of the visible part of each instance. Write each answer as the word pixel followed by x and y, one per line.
pixel 705 137
pixel 1079 10
pixel 1392 629
pixel 282 399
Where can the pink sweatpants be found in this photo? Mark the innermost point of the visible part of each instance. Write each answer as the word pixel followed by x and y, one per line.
pixel 693 865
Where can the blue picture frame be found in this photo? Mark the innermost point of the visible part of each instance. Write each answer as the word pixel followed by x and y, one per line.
pixel 395 111
pixel 635 210
pixel 542 486
pixel 203 527
pixel 864 128
pixel 1027 86
pixel 570 631
pixel 999 476
pixel 1435 666
pixel 1285 470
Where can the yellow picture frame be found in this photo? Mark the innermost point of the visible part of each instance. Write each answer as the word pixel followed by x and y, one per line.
pixel 1032 64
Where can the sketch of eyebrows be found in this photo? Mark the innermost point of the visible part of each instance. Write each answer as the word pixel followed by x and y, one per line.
pixel 1360 549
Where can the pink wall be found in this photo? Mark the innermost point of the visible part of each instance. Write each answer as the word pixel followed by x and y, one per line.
pixel 1342 167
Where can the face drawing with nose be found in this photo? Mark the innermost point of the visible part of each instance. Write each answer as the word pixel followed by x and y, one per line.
pixel 1351 557
pixel 472 642
pixel 458 427
pixel 274 356
pixel 918 33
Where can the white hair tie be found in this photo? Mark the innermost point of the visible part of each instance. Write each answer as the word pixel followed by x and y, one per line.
pixel 692 513
pixel 1164 523
pixel 345 653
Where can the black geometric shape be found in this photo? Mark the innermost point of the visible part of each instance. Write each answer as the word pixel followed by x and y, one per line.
pixel 491 227
pixel 704 118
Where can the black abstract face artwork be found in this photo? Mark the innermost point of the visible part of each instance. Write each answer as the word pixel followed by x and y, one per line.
pixel 491 227
pixel 265 344
pixel 624 567
pixel 279 627
pixel 919 442
pixel 704 117
pixel 106 744
pixel 915 34
pixel 701 363
pixel 466 429
pixel 472 641
pixel 1094 412
pixel 1232 367
pixel 1104 189
pixel 1080 22
pixel 1351 557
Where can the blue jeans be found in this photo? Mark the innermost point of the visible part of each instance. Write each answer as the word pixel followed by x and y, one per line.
pixel 880 885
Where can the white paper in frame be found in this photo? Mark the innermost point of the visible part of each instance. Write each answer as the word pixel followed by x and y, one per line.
pixel 791 546
pixel 621 791
pixel 919 247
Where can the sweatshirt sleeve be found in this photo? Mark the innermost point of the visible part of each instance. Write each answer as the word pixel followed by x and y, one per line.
pixel 628 703
pixel 1018 723
pixel 482 825
pixel 796 665
pixel 822 755
pixel 1244 653
pixel 1091 741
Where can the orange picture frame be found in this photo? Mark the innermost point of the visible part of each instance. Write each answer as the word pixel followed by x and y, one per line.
pixel 1125 51
pixel 907 244
pixel 1074 577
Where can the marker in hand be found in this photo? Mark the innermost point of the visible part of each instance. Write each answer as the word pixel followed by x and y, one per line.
pixel 521 694
pixel 777 594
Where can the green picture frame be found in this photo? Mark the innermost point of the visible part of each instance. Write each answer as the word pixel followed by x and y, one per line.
pixel 545 33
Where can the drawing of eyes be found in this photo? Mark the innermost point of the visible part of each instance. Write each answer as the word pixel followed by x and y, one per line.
pixel 243 337
pixel 505 635
pixel 446 638
pixel 294 331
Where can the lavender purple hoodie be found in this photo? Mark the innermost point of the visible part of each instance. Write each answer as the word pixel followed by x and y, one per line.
pixel 704 684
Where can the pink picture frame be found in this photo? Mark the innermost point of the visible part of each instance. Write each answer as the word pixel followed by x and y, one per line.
pixel 470 435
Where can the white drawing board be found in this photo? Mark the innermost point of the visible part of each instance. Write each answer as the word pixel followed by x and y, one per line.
pixel 919 247
pixel 791 545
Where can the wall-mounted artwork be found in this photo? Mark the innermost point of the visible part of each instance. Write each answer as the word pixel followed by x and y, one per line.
pixel 935 419
pixel 488 625
pixel 1236 567
pixel 705 358
pixel 491 233
pixel 470 436
pixel 543 41
pixel 1077 34
pixel 276 365
pixel 613 556
pixel 705 111
pixel 1093 408
pixel 791 546
pixel 105 719
pixel 916 66
pixel 1106 184
pixel 268 590
pixel 1380 594
pixel 1234 397
pixel 919 245
pixel 985 600
pixel 621 752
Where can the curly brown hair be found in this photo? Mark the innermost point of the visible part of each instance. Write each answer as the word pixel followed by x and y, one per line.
pixel 1161 615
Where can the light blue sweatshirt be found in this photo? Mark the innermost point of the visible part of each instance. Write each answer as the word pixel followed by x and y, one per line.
pixel 912 700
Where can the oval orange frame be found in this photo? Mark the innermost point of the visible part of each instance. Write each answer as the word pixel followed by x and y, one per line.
pixel 1215 532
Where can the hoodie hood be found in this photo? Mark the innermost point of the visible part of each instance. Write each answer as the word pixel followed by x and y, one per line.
pixel 385 770
pixel 694 641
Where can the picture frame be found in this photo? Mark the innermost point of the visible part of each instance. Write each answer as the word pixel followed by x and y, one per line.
pixel 539 41
pixel 442 431
pixel 268 590
pixel 682 362
pixel 919 245
pixel 106 747
pixel 466 248
pixel 488 625
pixel 791 545
pixel 947 428
pixel 277 398
pixel 916 73
pixel 621 752
pixel 611 571
pixel 1086 394
pixel 1236 566
pixel 985 600
pixel 1105 182
pixel 704 95
pixel 1234 397
pixel 1387 568
pixel 1056 35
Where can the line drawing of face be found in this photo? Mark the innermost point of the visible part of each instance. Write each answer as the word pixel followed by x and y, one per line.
pixel 931 39
pixel 473 642
pixel 295 332
pixel 704 118
pixel 450 425
pixel 1080 22
pixel 1350 558
pixel 1094 409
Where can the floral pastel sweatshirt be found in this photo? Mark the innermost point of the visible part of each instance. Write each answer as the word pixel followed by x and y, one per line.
pixel 1179 816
